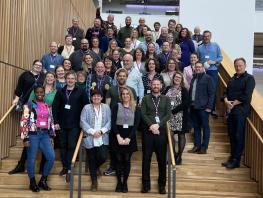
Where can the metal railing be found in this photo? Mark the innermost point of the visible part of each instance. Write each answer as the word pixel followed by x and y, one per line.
pixel 78 150
pixel 171 165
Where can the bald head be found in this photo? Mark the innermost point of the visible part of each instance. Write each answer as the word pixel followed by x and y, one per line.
pixel 197 30
pixel 84 44
pixel 53 47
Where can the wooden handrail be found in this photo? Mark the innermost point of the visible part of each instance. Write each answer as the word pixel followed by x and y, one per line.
pixel 77 148
pixel 249 121
pixel 170 144
pixel 7 113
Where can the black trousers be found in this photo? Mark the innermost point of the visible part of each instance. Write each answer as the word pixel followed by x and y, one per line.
pixel 96 157
pixel 113 160
pixel 68 140
pixel 236 132
pixel 158 144
pixel 123 167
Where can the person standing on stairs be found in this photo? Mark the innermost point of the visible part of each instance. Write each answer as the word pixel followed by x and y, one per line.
pixel 37 128
pixel 125 121
pixel 67 106
pixel 178 95
pixel 155 111
pixel 237 98
pixel 26 83
pixel 201 96
pixel 95 121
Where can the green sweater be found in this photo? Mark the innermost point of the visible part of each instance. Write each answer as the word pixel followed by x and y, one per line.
pixel 148 110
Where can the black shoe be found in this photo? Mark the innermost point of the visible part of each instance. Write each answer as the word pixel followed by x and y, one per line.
pixel 68 175
pixel 124 187
pixel 234 164
pixel 63 172
pixel 178 160
pixel 194 150
pixel 33 186
pixel 43 183
pixel 226 163
pixel 162 190
pixel 145 189
pixel 202 151
pixel 20 168
pixel 119 187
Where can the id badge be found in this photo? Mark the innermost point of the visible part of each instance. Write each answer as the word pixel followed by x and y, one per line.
pixel 148 91
pixel 52 66
pixel 74 39
pixel 172 103
pixel 157 119
pixel 67 106
pixel 207 57
pixel 42 123
pixel 125 126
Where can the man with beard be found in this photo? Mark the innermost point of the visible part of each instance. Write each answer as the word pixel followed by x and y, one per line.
pixel 95 31
pixel 125 31
pixel 201 96
pixel 112 99
pixel 76 32
pixel 149 39
pixel 171 29
pixel 77 56
pixel 163 36
pixel 156 111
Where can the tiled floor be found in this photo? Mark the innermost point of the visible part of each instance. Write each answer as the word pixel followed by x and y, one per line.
pixel 258 74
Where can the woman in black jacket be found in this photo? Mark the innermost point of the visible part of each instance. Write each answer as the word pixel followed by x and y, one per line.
pixel 178 95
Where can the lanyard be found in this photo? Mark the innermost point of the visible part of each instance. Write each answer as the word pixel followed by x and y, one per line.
pixel 74 32
pixel 52 58
pixel 100 81
pixel 126 114
pixel 68 93
pixel 156 105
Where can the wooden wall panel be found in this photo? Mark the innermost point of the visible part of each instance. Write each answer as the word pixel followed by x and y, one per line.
pixel 27 28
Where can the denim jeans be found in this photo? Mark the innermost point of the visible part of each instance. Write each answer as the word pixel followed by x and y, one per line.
pixel 40 140
pixel 200 120
pixel 236 132
pixel 214 75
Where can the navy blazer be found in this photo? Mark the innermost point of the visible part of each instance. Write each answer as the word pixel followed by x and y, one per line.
pixel 204 95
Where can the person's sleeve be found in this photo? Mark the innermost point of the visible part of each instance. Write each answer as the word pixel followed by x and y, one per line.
pixel 84 117
pixel 248 91
pixel 211 93
pixel 19 86
pixel 55 107
pixel 137 118
pixel 144 113
pixel 107 126
pixel 192 46
pixel 167 116
pixel 219 55
pixel 157 48
pixel 32 96
pixel 185 102
pixel 140 89
pixel 114 119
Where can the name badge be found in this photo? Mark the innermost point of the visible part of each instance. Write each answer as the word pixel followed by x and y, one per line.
pixel 74 39
pixel 67 106
pixel 207 57
pixel 125 126
pixel 148 91
pixel 157 119
pixel 42 123
pixel 172 103
pixel 52 66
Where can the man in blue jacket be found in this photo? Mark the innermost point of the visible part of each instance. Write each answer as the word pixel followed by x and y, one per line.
pixel 202 96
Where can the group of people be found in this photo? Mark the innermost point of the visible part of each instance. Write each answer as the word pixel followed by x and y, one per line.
pixel 112 83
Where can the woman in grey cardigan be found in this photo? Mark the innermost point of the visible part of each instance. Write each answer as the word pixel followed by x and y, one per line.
pixel 95 121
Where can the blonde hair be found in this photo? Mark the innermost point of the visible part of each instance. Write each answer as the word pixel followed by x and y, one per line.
pixel 132 101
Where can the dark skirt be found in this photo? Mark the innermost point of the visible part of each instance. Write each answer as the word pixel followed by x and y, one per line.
pixel 124 133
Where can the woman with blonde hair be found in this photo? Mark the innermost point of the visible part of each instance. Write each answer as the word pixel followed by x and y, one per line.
pixel 112 46
pixel 125 121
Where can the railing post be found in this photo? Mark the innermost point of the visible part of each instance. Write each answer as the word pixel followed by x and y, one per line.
pixel 174 182
pixel 80 169
pixel 72 181
pixel 169 173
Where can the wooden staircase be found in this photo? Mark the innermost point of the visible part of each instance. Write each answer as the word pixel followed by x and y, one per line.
pixel 199 176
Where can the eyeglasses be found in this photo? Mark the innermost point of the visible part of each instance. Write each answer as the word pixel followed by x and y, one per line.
pixel 38 65
pixel 84 43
